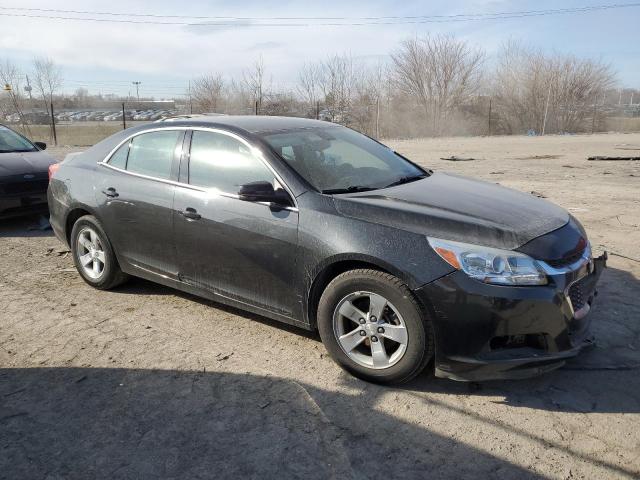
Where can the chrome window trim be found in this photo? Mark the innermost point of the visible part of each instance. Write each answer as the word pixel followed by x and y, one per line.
pixel 257 153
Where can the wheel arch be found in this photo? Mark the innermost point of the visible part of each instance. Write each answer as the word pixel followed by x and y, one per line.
pixel 333 267
pixel 76 212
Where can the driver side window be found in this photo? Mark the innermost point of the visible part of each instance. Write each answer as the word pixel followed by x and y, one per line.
pixel 222 162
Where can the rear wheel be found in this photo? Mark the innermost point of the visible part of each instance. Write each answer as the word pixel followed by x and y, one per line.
pixel 93 254
pixel 373 327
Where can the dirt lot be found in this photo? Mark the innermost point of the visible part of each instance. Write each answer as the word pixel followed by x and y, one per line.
pixel 146 382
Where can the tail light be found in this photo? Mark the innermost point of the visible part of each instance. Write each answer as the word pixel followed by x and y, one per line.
pixel 53 168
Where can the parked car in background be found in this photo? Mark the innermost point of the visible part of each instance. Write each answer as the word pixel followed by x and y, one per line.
pixel 316 225
pixel 23 174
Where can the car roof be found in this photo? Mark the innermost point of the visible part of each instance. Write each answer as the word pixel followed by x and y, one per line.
pixel 254 124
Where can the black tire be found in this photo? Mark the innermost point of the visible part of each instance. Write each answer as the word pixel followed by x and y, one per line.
pixel 111 275
pixel 419 350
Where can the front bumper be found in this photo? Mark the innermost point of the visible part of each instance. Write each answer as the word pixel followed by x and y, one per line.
pixel 23 204
pixel 486 332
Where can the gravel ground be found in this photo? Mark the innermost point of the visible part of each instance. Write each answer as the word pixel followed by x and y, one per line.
pixel 145 382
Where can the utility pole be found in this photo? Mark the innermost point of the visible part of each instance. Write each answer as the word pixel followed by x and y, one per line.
pixel 190 100
pixel 137 84
pixel 546 110
pixel 595 113
pixel 378 117
pixel 489 116
pixel 53 127
pixel 28 87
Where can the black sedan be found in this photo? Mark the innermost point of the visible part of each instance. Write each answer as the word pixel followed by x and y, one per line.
pixel 23 174
pixel 316 225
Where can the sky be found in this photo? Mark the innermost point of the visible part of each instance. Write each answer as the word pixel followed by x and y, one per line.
pixel 107 56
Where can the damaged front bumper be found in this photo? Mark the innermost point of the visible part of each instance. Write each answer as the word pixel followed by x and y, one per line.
pixel 486 332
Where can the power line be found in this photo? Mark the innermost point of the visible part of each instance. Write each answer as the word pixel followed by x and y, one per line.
pixel 234 21
pixel 405 17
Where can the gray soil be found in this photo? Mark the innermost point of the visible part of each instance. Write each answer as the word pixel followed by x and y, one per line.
pixel 146 382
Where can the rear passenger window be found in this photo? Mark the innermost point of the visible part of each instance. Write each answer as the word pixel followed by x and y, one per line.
pixel 223 162
pixel 119 158
pixel 152 153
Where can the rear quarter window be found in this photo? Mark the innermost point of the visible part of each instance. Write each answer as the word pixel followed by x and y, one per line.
pixel 119 157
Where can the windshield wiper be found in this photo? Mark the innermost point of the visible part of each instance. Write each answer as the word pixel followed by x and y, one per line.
pixel 349 189
pixel 402 180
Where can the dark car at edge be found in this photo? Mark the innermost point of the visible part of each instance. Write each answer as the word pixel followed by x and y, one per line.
pixel 318 226
pixel 23 175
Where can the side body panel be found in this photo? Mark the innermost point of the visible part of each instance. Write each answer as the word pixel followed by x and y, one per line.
pixel 327 237
pixel 238 249
pixel 72 187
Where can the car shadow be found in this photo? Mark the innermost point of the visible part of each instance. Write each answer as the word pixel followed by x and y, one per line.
pixel 599 380
pixel 29 226
pixel 78 423
pixel 139 286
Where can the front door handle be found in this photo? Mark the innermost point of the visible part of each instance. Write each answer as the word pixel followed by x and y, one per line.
pixel 191 214
pixel 110 192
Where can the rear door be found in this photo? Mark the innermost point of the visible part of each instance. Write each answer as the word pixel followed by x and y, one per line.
pixel 135 198
pixel 238 249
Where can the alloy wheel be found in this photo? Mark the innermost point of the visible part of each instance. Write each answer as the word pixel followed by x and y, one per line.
pixel 90 252
pixel 370 330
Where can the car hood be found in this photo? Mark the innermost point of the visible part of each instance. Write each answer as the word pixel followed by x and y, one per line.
pixel 18 163
pixel 457 208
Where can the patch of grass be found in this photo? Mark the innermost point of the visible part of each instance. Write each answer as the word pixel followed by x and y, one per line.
pixel 622 124
pixel 79 134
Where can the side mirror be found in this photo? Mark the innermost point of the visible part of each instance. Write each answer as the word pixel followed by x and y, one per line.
pixel 262 192
pixel 40 145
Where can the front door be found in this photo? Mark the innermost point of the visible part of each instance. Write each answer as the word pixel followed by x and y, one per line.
pixel 238 249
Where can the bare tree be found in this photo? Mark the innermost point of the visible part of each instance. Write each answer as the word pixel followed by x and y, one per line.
pixel 337 83
pixel 542 92
pixel 349 91
pixel 253 82
pixel 577 86
pixel 81 96
pixel 439 72
pixel 10 77
pixel 309 84
pixel 208 92
pixel 47 77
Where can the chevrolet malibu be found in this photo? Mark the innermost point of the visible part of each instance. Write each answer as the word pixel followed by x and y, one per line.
pixel 316 225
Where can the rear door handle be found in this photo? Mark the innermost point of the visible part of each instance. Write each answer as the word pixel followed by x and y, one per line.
pixel 191 214
pixel 110 192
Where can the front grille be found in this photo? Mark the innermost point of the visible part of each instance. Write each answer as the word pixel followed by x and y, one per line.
pixel 578 294
pixel 567 260
pixel 16 188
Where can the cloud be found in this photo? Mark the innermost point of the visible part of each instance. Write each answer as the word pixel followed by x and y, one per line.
pixel 264 46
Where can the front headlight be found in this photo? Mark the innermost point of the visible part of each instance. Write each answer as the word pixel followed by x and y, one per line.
pixel 490 265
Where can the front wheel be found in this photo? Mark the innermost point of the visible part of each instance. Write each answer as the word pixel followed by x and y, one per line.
pixel 373 327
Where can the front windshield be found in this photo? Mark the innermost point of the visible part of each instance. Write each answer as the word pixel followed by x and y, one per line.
pixel 10 141
pixel 338 160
